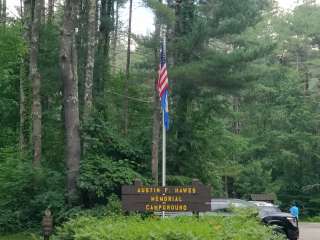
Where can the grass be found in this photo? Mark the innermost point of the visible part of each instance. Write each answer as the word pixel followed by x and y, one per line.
pixel 19 236
pixel 312 219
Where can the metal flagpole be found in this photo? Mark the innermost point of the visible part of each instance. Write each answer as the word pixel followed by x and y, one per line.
pixel 163 152
pixel 163 156
pixel 163 127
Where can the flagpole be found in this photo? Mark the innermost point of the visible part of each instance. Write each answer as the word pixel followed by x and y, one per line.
pixel 163 152
pixel 163 126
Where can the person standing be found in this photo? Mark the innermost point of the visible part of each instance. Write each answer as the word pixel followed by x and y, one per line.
pixel 294 210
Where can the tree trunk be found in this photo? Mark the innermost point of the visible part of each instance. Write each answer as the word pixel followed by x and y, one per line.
pixel 102 63
pixel 101 48
pixel 306 81
pixel 155 134
pixel 126 86
pixel 236 109
pixel 27 20
pixel 90 59
pixel 21 9
pixel 50 11
pixel 115 39
pixel 236 123
pixel 106 47
pixel 43 11
pixel 0 11
pixel 156 112
pixel 22 103
pixel 26 16
pixel 68 64
pixel 25 103
pixel 226 186
pixel 4 12
pixel 36 85
pixel 22 99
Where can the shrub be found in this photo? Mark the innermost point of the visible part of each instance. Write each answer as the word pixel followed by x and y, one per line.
pixel 181 228
pixel 26 192
pixel 312 219
pixel 20 236
pixel 101 177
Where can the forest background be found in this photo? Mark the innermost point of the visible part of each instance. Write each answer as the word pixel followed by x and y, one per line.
pixel 80 113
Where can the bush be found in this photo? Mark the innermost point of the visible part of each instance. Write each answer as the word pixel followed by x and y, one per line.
pixel 26 192
pixel 312 219
pixel 112 208
pixel 181 228
pixel 101 177
pixel 20 236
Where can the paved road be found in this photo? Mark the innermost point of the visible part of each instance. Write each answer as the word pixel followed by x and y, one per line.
pixel 309 231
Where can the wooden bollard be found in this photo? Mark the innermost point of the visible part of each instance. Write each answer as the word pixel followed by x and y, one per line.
pixel 47 224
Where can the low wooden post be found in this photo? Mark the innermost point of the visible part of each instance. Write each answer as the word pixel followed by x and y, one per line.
pixel 47 224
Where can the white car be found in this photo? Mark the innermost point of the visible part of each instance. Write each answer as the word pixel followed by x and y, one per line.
pixel 263 204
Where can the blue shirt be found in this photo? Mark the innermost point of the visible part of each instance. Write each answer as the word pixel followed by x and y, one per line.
pixel 294 211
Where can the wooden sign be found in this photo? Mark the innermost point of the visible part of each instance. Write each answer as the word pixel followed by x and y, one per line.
pixel 194 198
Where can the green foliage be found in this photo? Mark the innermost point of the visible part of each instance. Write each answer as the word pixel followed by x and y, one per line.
pixel 182 228
pixel 235 19
pixel 216 53
pixel 281 125
pixel 110 208
pixel 20 236
pixel 12 51
pixel 253 179
pixel 51 85
pixel 178 180
pixel 25 192
pixel 100 177
pixel 163 12
pixel 105 139
pixel 312 219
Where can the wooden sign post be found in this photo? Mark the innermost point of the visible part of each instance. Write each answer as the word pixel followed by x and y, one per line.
pixel 194 198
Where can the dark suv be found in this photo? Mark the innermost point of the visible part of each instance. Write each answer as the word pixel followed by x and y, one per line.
pixel 270 215
pixel 283 222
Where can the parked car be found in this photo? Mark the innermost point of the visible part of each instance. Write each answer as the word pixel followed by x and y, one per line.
pixel 262 204
pixel 268 213
pixel 283 222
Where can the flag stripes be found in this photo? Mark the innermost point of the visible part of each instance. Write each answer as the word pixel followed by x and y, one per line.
pixel 163 86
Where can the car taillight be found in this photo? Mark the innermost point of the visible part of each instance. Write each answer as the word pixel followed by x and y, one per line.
pixel 293 221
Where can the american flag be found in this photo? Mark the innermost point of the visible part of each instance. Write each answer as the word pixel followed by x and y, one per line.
pixel 163 85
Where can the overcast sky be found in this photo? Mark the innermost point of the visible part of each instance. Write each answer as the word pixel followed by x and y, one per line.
pixel 142 22
pixel 288 4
